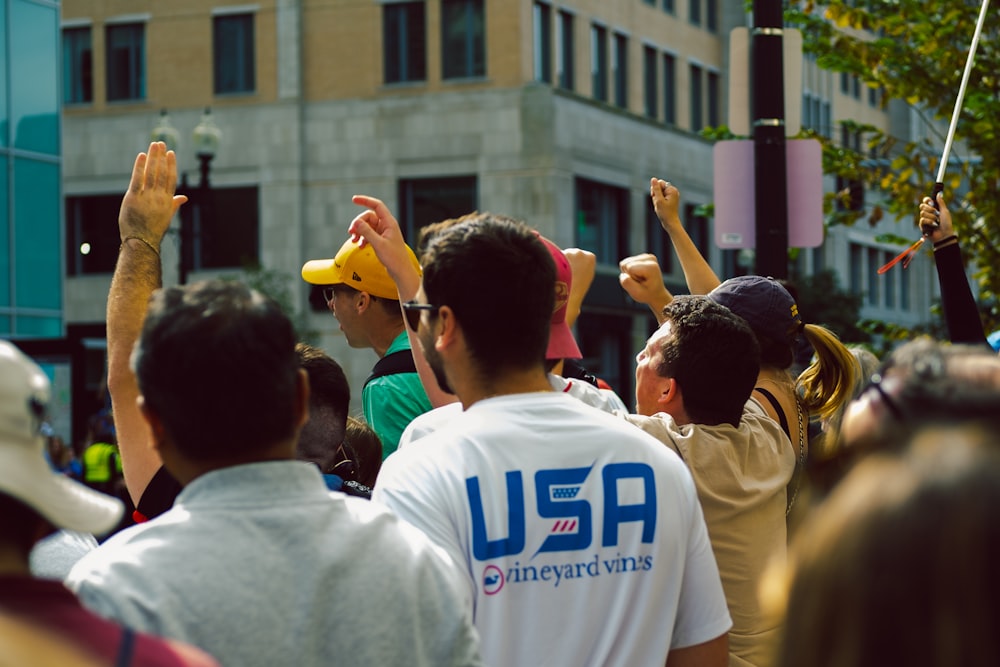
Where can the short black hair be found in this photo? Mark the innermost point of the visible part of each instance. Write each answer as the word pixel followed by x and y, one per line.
pixel 713 355
pixel 216 362
pixel 496 276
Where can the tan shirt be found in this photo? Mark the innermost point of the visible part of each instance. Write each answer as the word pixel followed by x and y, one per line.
pixel 740 474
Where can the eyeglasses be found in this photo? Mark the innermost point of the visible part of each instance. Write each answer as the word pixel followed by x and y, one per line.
pixel 412 311
pixel 890 403
pixel 328 294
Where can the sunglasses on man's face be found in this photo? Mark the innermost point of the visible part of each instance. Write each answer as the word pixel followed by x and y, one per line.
pixel 875 383
pixel 411 309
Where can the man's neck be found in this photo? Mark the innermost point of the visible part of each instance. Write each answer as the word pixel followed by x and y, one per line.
pixel 382 338
pixel 477 389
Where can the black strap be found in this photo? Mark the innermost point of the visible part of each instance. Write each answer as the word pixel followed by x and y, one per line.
pixel 777 408
pixel 400 361
pixel 126 648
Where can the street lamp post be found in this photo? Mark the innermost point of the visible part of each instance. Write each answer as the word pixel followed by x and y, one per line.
pixel 206 137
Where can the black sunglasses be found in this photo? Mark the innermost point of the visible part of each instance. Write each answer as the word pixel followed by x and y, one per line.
pixel 411 309
pixel 328 294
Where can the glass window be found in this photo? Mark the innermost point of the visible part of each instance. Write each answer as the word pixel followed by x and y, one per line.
pixel 5 256
pixel 126 62
pixel 4 124
pixel 649 91
pixel 78 69
pixel 606 342
pixel 669 89
pixel 564 62
pixel 857 261
pixel 668 6
pixel 404 40
pixel 873 281
pixel 694 11
pixel 34 81
pixel 620 70
pixel 602 220
pixel 226 228
pixel 543 42
pixel 463 39
pixel 37 265
pixel 92 237
pixel 712 15
pixel 890 284
pixel 657 240
pixel 904 290
pixel 599 62
pixel 697 226
pixel 423 201
pixel 697 120
pixel 233 54
pixel 713 99
pixel 845 83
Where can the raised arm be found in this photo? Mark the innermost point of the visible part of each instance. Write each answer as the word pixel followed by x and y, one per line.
pixel 961 314
pixel 642 279
pixel 379 227
pixel 583 265
pixel 698 274
pixel 145 214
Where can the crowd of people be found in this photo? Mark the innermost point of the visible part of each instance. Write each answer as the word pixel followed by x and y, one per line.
pixel 498 504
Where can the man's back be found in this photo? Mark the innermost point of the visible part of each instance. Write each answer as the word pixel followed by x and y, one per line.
pixel 581 538
pixel 741 474
pixel 259 565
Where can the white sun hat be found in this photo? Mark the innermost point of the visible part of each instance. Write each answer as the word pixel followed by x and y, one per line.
pixel 24 472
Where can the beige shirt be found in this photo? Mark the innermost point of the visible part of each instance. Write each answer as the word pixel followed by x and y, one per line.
pixel 740 474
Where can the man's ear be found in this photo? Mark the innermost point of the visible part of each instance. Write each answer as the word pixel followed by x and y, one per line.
pixel 302 390
pixel 362 302
pixel 446 329
pixel 671 395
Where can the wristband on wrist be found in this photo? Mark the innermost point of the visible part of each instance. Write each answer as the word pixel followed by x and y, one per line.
pixel 146 243
pixel 945 242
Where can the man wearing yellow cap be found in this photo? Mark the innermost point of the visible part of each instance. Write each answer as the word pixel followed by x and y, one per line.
pixel 363 298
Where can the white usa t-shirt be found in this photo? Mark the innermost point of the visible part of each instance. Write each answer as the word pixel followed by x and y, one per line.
pixel 581 538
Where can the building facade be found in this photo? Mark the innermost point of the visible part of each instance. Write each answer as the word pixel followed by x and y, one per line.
pixel 557 113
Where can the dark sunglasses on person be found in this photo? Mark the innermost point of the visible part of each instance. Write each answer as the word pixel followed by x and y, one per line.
pixel 875 382
pixel 328 294
pixel 412 311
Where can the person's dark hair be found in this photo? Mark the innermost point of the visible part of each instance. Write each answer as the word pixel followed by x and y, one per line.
pixel 364 443
pixel 328 385
pixel 713 355
pixel 216 362
pixel 497 277
pixel 898 566
pixel 19 525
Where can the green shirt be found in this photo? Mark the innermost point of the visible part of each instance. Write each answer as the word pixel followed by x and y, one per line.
pixel 391 402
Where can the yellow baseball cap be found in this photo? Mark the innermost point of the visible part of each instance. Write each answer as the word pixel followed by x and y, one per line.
pixel 355 267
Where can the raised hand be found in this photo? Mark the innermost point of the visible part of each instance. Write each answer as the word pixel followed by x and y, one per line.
pixel 642 279
pixel 666 202
pixel 935 223
pixel 378 226
pixel 150 203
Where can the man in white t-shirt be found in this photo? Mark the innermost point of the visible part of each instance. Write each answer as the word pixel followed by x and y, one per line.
pixel 580 538
pixel 739 457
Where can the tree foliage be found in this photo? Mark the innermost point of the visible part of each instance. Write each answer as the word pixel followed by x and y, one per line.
pixel 915 52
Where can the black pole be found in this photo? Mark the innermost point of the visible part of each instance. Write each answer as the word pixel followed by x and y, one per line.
pixel 767 106
pixel 187 218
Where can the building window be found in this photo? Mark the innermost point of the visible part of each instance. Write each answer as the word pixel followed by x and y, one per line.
pixel 713 99
pixel 606 342
pixel 668 6
pixel 845 83
pixel 564 62
pixel 423 201
pixel 463 39
pixel 619 68
pixel 694 11
pixel 78 68
pixel 873 281
pixel 649 92
pixel 602 220
pixel 890 284
pixel 669 89
pixel 873 96
pixel 857 267
pixel 404 42
pixel 904 290
pixel 224 227
pixel 697 120
pixel 126 61
pixel 233 54
pixel 657 241
pixel 856 87
pixel 599 62
pixel 543 42
pixel 712 15
pixel 697 226
pixel 91 243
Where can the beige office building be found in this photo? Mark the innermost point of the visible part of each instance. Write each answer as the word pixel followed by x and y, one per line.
pixel 554 112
